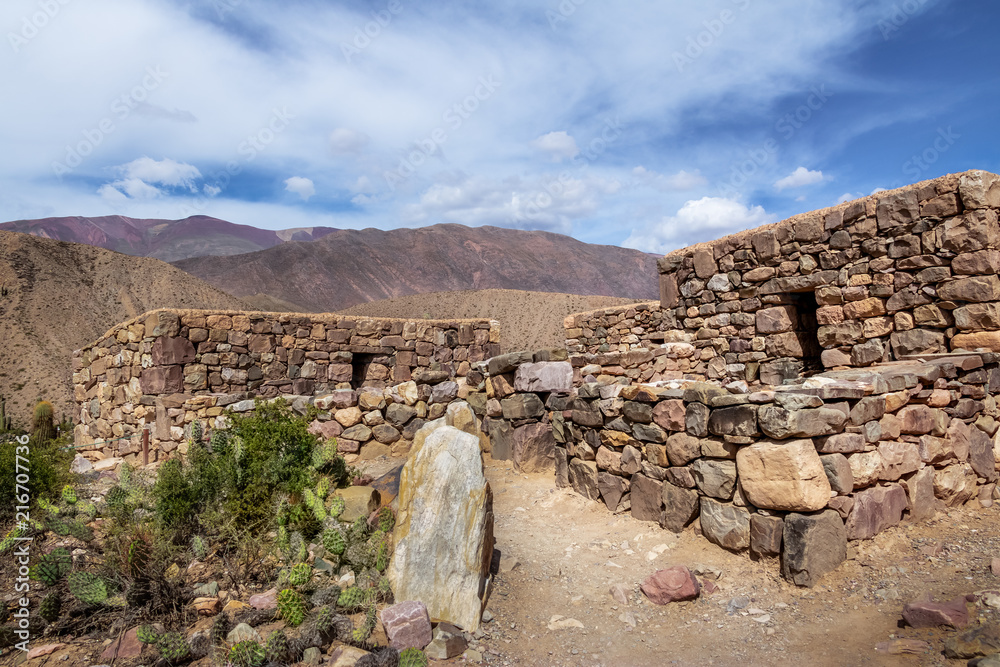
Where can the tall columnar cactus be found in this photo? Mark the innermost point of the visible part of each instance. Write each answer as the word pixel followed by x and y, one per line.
pixel 6 423
pixel 43 427
pixel 196 431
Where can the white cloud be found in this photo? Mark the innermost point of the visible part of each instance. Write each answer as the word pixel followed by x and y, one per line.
pixel 697 220
pixel 211 190
pixel 128 188
pixel 559 146
pixel 161 172
pixel 301 186
pixel 345 141
pixel 799 178
pixel 681 181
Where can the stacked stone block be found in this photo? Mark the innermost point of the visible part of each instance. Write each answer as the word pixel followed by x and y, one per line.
pixel 166 368
pixel 902 273
pixel 796 471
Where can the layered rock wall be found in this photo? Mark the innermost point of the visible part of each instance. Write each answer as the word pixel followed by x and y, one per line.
pixel 166 368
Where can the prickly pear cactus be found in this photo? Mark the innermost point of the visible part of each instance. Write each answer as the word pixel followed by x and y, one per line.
pixel 69 494
pixel 79 530
pixel 323 487
pixel 87 588
pixel 51 607
pixel 277 649
pixel 333 541
pixel 291 607
pixel 337 506
pixel 248 653
pixel 53 566
pixel 358 530
pixel 117 496
pixel 298 551
pixel 300 575
pixel 412 657
pixel 219 442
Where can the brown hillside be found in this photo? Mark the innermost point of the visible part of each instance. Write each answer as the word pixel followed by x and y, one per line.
pixel 60 296
pixel 528 320
pixel 348 267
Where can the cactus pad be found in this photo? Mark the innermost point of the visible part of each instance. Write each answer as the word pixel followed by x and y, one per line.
pixel 69 494
pixel 52 567
pixel 277 650
pixel 51 607
pixel 300 575
pixel 147 635
pixel 337 506
pixel 351 598
pixel 291 607
pixel 87 588
pixel 334 541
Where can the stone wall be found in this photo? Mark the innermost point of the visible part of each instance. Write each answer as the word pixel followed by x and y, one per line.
pixel 796 472
pixel 900 273
pixel 166 368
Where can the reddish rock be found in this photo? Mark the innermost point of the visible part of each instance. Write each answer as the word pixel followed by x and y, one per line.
pixel 776 320
pixel 162 380
pixel 126 648
pixel 646 496
pixel 671 585
pixel 39 651
pixel 611 488
pixel 534 448
pixel 875 510
pixel 407 624
pixel 326 430
pixel 266 600
pixel 169 350
pixel 917 419
pixel 927 614
pixel 669 414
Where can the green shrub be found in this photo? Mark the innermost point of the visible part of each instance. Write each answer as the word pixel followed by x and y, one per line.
pixel 174 496
pixel 45 466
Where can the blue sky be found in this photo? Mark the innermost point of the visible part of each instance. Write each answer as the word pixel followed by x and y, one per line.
pixel 646 124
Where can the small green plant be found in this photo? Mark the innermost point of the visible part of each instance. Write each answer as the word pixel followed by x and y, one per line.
pixel 198 547
pixel 277 650
pixel 51 607
pixel 173 647
pixel 364 631
pixel 386 520
pixel 412 657
pixel 337 506
pixel 334 541
pixel 248 653
pixel 323 487
pixel 87 588
pixel 147 635
pixel 300 575
pixel 69 494
pixel 53 566
pixel 291 607
pixel 352 598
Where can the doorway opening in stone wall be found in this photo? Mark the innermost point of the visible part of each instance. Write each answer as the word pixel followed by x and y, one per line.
pixel 806 307
pixel 360 363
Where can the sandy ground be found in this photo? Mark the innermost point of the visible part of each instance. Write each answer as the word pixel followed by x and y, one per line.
pixel 571 551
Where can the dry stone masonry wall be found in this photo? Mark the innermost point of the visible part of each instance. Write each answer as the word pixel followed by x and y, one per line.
pixel 900 273
pixel 167 368
pixel 796 471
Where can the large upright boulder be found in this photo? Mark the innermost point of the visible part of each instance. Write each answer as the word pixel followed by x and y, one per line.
pixel 444 532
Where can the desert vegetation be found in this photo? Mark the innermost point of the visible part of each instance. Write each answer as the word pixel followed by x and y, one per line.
pixel 254 512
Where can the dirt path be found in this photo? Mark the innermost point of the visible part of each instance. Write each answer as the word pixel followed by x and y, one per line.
pixel 571 551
